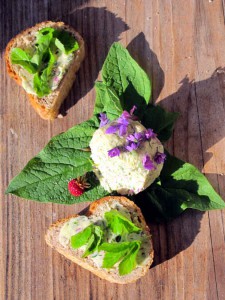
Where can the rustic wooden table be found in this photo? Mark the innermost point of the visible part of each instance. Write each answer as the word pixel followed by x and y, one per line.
pixel 181 45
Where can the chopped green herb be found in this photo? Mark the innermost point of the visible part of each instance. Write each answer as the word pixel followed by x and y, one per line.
pixel 80 238
pixel 128 264
pixel 120 224
pixel 22 58
pixel 91 235
pixel 126 251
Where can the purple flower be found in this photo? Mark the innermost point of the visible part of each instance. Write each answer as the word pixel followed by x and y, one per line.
pixel 121 126
pixel 136 137
pixel 132 146
pixel 129 115
pixel 122 123
pixel 148 164
pixel 149 134
pixel 132 110
pixel 134 140
pixel 112 129
pixel 104 120
pixel 159 158
pixel 114 152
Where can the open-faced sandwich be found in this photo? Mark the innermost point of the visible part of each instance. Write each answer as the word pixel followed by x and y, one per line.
pixel 44 60
pixel 111 240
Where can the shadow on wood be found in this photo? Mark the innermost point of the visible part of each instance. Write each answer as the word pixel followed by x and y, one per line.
pixel 171 238
pixel 140 50
pixel 97 41
pixel 197 100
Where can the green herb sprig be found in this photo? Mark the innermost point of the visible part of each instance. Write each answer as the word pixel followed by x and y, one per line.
pixel 124 252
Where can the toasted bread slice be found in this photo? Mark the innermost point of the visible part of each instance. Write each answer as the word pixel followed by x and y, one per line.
pixel 97 209
pixel 47 106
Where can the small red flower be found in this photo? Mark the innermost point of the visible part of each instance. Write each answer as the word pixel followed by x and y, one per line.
pixel 77 186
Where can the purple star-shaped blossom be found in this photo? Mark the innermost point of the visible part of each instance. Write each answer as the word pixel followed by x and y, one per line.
pixel 114 152
pixel 134 140
pixel 122 123
pixel 129 115
pixel 149 134
pixel 132 146
pixel 103 120
pixel 121 126
pixel 159 158
pixel 112 129
pixel 135 137
pixel 147 163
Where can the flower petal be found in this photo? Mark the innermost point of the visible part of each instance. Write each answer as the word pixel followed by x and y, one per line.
pixel 147 163
pixel 149 134
pixel 112 129
pixel 114 152
pixel 123 130
pixel 132 110
pixel 131 146
pixel 104 120
pixel 159 158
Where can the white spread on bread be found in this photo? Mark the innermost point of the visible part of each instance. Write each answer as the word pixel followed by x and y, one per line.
pixel 124 173
pixel 79 223
pixel 62 64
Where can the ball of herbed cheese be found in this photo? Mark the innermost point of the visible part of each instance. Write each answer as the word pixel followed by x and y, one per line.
pixel 129 161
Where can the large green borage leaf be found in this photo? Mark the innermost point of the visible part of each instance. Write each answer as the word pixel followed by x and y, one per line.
pixel 46 176
pixel 107 101
pixel 121 72
pixel 180 186
pixel 160 120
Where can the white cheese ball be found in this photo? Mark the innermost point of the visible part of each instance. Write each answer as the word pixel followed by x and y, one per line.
pixel 124 173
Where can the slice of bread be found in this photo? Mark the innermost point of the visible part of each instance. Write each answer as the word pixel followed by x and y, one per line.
pixel 98 209
pixel 47 106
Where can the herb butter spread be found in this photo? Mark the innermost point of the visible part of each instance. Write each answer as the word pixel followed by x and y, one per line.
pixel 61 65
pixel 105 222
pixel 125 173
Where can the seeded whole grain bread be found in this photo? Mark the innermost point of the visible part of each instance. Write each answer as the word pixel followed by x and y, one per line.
pixel 97 208
pixel 47 106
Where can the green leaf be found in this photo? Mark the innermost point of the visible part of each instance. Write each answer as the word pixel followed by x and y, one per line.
pixel 45 178
pixel 129 263
pixel 107 101
pixel 177 174
pixel 41 87
pixel 121 72
pixel 181 186
pixel 94 241
pixel 20 57
pixel 80 238
pixel 120 224
pixel 41 82
pixel 117 251
pixel 160 120
pixel 115 247
pixel 89 245
pixel 66 42
pixel 110 259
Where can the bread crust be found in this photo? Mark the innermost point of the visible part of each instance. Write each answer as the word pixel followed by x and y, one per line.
pixel 53 231
pixel 49 112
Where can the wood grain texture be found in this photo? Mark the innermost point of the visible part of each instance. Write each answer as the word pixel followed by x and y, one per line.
pixel 181 46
